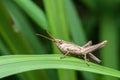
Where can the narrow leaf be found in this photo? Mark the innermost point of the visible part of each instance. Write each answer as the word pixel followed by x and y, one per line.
pixel 14 64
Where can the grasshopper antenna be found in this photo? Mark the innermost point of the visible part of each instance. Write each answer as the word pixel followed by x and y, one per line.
pixel 51 39
pixel 50 35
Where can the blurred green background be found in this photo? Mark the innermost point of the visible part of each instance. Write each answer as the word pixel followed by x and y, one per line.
pixel 77 21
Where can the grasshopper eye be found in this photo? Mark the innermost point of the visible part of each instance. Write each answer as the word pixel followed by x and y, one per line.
pixel 60 41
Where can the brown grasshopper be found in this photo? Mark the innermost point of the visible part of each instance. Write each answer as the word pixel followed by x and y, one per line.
pixel 70 48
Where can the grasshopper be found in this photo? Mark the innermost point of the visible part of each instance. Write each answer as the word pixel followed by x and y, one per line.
pixel 69 48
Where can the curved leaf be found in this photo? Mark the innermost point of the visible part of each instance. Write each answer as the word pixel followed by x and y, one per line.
pixel 14 64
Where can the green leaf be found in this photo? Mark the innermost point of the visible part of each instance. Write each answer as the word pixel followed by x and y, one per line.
pixel 24 28
pixel 108 26
pixel 9 35
pixel 33 11
pixel 75 23
pixel 14 64
pixel 58 26
pixel 76 29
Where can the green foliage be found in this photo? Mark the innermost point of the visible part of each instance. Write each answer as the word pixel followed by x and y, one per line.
pixel 76 21
pixel 32 62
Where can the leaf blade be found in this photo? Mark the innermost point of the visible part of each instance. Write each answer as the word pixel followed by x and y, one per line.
pixel 33 62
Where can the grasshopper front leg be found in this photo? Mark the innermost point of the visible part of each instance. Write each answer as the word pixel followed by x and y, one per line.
pixel 64 55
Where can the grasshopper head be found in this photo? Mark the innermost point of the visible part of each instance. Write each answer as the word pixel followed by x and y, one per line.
pixel 59 41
